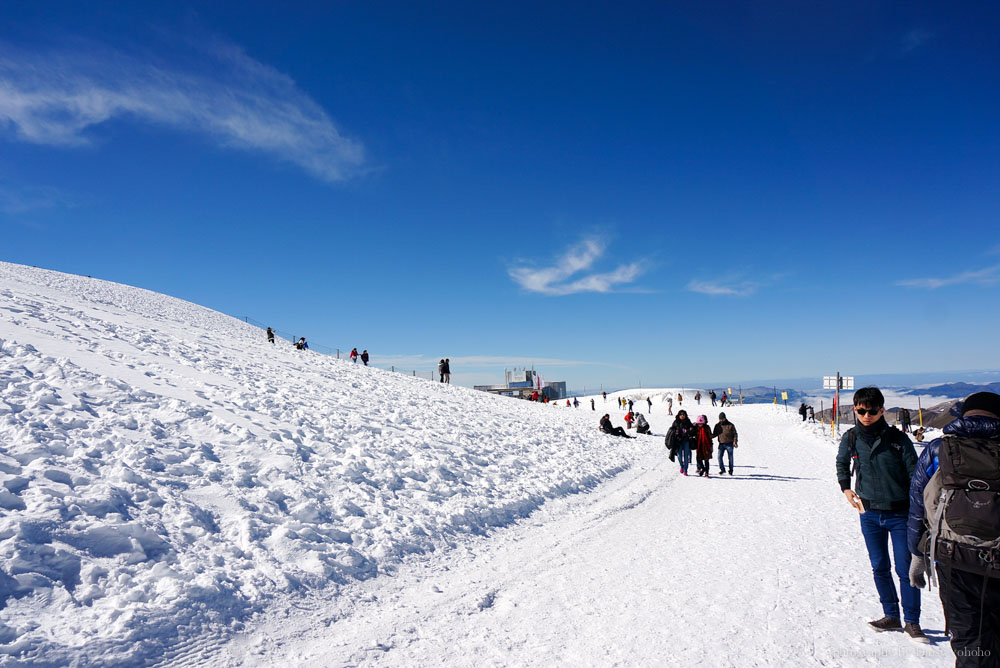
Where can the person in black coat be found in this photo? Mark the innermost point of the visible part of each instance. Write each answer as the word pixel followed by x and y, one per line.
pixel 679 439
pixel 608 429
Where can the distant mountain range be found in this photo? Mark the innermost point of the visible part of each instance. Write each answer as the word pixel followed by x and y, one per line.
pixel 955 390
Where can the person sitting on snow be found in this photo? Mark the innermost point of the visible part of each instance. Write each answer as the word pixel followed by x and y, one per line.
pixel 641 426
pixel 608 429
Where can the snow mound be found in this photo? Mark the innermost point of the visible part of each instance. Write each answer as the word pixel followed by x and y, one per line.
pixel 165 471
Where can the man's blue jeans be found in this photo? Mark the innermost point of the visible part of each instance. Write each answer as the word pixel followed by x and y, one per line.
pixel 878 528
pixel 684 455
pixel 723 448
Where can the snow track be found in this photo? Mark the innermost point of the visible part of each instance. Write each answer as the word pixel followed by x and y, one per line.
pixel 764 568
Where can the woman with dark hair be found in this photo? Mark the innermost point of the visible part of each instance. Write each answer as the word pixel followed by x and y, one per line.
pixel 679 440
pixel 703 445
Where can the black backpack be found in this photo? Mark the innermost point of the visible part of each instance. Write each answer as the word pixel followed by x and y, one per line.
pixel 962 502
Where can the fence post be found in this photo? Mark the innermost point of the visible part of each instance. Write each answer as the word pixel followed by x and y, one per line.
pixel 338 353
pixel 393 369
pixel 414 373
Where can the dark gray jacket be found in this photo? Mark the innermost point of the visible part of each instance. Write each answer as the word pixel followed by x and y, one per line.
pixel 886 462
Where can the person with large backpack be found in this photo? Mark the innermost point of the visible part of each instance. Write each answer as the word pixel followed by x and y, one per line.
pixel 883 464
pixel 954 528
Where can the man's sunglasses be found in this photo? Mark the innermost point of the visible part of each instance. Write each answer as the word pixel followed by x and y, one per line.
pixel 871 411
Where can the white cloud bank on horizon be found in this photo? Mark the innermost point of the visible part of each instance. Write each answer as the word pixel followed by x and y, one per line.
pixel 554 281
pixel 717 288
pixel 53 97
pixel 985 277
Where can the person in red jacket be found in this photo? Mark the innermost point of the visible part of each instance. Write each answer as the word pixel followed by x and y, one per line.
pixel 703 445
pixel 354 355
pixel 628 420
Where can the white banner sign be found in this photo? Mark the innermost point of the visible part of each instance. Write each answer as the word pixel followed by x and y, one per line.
pixel 830 383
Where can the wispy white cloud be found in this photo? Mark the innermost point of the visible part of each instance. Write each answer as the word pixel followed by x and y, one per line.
pixel 54 97
pixel 913 40
pixel 986 277
pixel 556 280
pixel 723 288
pixel 17 199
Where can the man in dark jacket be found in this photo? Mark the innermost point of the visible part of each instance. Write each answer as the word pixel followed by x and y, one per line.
pixel 608 429
pixel 884 459
pixel 969 590
pixel 725 434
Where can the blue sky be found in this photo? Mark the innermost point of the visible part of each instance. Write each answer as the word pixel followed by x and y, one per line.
pixel 617 192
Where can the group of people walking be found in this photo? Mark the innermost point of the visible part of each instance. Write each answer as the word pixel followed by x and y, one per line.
pixel 940 512
pixel 685 438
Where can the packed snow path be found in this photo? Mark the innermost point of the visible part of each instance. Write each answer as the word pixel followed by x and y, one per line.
pixel 766 568
pixel 176 491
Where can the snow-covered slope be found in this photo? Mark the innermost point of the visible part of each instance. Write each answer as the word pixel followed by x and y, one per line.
pixel 166 472
pixel 176 491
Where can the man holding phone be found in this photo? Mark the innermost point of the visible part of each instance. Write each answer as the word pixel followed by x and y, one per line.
pixel 883 461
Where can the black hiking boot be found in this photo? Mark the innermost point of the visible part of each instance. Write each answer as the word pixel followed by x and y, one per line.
pixel 916 634
pixel 886 624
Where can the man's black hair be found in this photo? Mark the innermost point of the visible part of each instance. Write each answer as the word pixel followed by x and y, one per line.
pixel 869 396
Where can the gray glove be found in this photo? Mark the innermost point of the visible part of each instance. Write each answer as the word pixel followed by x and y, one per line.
pixel 918 568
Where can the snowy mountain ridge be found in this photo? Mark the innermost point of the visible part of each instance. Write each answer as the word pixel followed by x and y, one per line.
pixel 165 470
